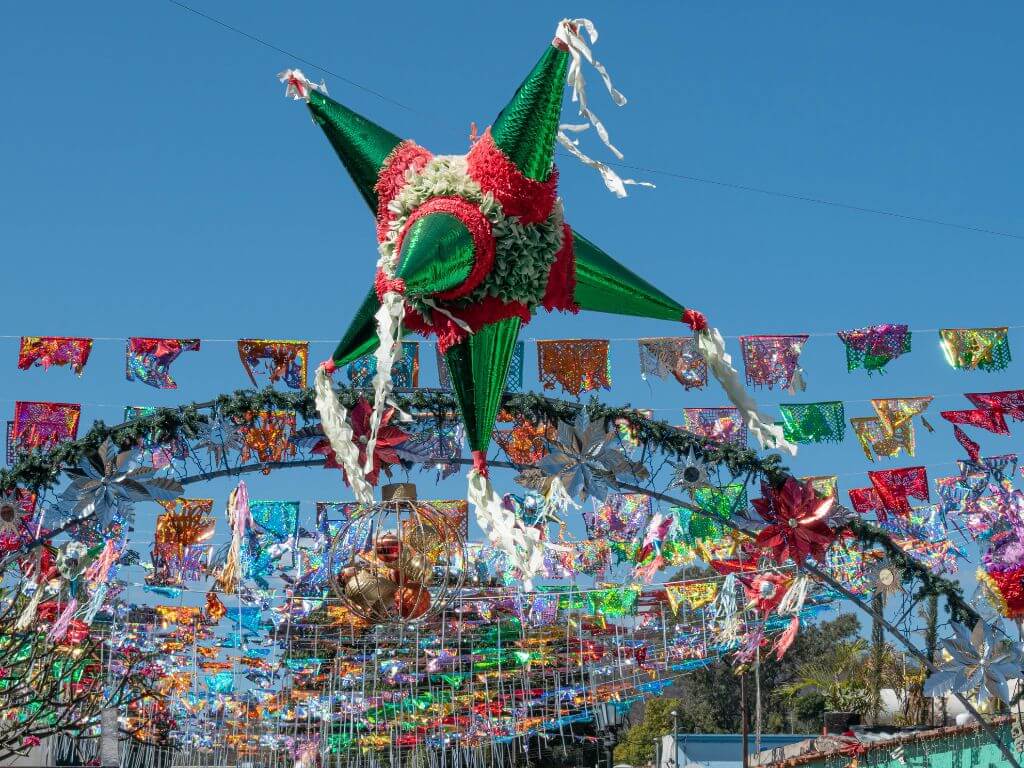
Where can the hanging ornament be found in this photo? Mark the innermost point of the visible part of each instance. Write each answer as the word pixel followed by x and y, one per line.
pixel 675 356
pixel 813 422
pixel 895 486
pixel 978 660
pixel 149 360
pixel 884 579
pixel 722 425
pixel 873 347
pixel 578 365
pixel 45 351
pixel 43 425
pixel 279 360
pixel 981 349
pixel 266 437
pixel 796 522
pixel 772 361
pixel 691 473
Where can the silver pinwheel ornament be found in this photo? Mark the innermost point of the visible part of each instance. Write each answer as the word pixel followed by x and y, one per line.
pixel 584 459
pixel 110 481
pixel 690 473
pixel 978 660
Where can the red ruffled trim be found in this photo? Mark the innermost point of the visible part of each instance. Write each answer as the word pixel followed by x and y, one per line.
pixel 562 278
pixel 532 201
pixel 383 284
pixel 1008 590
pixel 391 179
pixel 448 333
pixel 479 229
pixel 695 320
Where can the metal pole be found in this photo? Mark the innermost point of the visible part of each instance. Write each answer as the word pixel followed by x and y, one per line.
pixel 744 728
pixel 675 737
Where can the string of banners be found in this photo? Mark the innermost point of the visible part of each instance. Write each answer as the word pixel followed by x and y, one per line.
pixel 573 365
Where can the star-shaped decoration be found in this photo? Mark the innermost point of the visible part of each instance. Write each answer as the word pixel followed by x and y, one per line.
pixel 475 244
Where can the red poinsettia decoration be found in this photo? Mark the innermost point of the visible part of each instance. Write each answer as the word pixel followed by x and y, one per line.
pixel 765 591
pixel 796 516
pixel 389 437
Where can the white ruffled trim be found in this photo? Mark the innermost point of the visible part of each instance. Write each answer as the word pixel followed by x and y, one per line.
pixel 506 532
pixel 389 334
pixel 768 434
pixel 793 601
pixel 339 434
pixel 298 86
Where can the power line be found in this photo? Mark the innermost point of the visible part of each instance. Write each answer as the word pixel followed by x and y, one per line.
pixel 671 174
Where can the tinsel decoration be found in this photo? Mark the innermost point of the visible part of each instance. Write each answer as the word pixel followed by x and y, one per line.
pixel 722 425
pixel 694 595
pixel 845 563
pixel 45 351
pixel 873 347
pixel 990 414
pixel 266 437
pixel 162 454
pixel 513 382
pixel 895 486
pixel 44 425
pixel 149 360
pixel 772 361
pixel 405 373
pixel 796 522
pixel 826 486
pixel 278 519
pixel 976 349
pixel 523 442
pixel 578 365
pixel 894 412
pixel 613 601
pixel 185 523
pixel 807 423
pixel 280 360
pixel 677 356
pixel 619 517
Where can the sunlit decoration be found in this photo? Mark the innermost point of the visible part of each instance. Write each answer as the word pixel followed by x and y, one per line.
pixel 578 365
pixel 185 525
pixel 813 422
pixel 846 563
pixel 875 442
pixel 694 595
pixel 884 579
pixel 266 436
pixel 675 356
pixel 873 347
pixel 389 562
pixel 774 361
pixel 796 522
pixel 826 486
pixel 619 517
pixel 524 441
pixel 722 425
pixel 39 425
pixel 433 442
pixel 162 454
pixel 215 608
pixel 981 349
pixel 221 438
pixel 978 659
pixel 279 360
pixel 44 351
pixel 149 360
pixel 613 601
pixel 896 486
pixel 185 615
pixel 513 382
pixel 405 372
pixel 691 472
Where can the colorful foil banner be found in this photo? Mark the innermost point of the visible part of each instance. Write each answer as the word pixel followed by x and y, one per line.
pixel 976 349
pixel 513 382
pixel 149 360
pixel 894 412
pixel 873 347
pixel 807 423
pixel 44 425
pixel 162 455
pixel 523 442
pixel 826 486
pixel 619 518
pixel 895 486
pixel 723 425
pixel 267 437
pixel 865 501
pixel 405 373
pixel 45 351
pixel 579 365
pixel 695 595
pixel 614 601
pixel 875 441
pixel 278 519
pixel 280 360
pixel 772 361
pixel 677 356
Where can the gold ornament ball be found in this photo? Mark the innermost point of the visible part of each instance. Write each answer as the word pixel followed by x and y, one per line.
pixel 370 591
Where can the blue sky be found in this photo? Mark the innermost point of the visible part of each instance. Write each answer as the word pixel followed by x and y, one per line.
pixel 157 183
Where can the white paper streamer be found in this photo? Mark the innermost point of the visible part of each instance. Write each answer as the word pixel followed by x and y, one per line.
pixel 568 33
pixel 298 86
pixel 793 601
pixel 28 615
pixel 339 435
pixel 521 543
pixel 389 333
pixel 768 434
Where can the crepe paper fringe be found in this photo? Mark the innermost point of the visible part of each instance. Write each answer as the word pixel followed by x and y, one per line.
pixel 284 360
pixel 149 359
pixel 813 422
pixel 44 351
pixel 578 365
pixel 872 348
pixel 976 349
pixel 772 361
pixel 39 425
pixel 679 357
